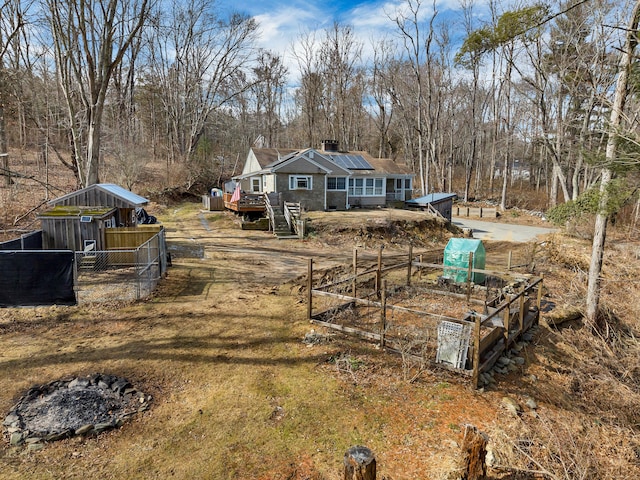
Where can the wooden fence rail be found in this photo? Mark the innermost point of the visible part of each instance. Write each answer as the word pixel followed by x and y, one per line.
pixel 504 319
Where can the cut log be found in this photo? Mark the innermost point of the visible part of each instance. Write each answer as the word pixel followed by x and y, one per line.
pixel 359 464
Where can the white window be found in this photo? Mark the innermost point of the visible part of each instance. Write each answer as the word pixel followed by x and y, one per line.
pixel 336 183
pixel 255 184
pixel 366 187
pixel 355 187
pixel 403 184
pixel 300 182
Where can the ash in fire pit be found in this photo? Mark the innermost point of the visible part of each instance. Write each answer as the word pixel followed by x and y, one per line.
pixel 80 406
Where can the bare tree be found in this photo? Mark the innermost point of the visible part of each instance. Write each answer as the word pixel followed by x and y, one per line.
pixel 90 38
pixel 408 21
pixel 470 55
pixel 309 94
pixel 11 23
pixel 627 58
pixel 340 56
pixel 379 86
pixel 270 79
pixel 199 63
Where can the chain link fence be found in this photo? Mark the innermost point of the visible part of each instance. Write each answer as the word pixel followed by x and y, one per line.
pixel 122 274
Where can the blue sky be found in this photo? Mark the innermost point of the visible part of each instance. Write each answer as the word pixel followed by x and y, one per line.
pixel 282 22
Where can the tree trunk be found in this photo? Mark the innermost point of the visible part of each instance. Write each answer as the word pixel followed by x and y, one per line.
pixel 4 155
pixel 597 251
pixel 92 159
pixel 474 451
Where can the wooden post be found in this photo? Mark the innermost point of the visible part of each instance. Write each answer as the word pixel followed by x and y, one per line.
pixel 355 272
pixel 379 272
pixel 506 317
pixel 474 451
pixel 309 287
pixel 359 464
pixel 476 351
pixel 383 312
pixel 521 312
pixel 509 260
pixel 469 275
pixel 539 300
pixel 410 262
pixel 420 268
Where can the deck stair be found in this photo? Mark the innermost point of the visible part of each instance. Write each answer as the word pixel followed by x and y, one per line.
pixel 282 216
pixel 281 227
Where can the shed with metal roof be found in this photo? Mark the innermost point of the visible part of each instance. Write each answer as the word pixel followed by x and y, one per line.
pixel 440 202
pixel 105 195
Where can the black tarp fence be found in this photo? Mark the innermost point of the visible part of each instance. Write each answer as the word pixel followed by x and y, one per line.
pixel 28 241
pixel 36 277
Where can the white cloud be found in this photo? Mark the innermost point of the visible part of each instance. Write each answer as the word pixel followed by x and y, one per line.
pixel 282 24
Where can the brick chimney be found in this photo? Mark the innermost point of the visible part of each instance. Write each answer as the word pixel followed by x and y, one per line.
pixel 330 145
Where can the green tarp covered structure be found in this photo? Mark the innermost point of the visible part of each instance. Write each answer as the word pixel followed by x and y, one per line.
pixel 456 254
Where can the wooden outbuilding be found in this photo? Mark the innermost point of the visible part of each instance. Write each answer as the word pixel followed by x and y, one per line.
pixel 76 228
pixel 442 203
pixel 106 195
pixel 79 220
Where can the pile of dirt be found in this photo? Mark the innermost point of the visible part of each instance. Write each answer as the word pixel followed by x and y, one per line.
pixel 371 228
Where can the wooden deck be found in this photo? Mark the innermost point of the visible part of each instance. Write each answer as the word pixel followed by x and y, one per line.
pixel 248 202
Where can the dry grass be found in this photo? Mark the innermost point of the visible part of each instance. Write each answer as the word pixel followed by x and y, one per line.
pixel 238 395
pixel 236 392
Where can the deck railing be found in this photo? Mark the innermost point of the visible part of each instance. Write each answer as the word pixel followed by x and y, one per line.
pixel 270 212
pixel 292 214
pixel 249 202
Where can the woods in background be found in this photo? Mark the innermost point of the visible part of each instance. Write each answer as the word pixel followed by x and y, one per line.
pixel 524 95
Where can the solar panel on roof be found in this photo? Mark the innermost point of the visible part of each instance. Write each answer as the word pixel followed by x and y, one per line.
pixel 352 162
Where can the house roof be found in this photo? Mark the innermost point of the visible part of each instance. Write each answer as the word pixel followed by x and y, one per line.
pixel 312 156
pixel 432 198
pixel 268 156
pixel 357 162
pixel 380 165
pixel 121 194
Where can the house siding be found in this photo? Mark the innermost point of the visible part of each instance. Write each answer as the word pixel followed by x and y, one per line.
pixel 444 207
pixel 336 200
pixel 308 199
pixel 300 166
pixel 269 183
pixel 70 233
pixel 251 165
pixel 368 202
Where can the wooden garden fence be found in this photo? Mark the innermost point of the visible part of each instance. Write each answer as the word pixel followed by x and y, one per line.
pixel 502 322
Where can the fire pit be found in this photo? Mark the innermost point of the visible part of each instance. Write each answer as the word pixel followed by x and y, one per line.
pixel 79 406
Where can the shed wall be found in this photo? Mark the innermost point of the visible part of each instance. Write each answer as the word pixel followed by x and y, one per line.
pixel 70 233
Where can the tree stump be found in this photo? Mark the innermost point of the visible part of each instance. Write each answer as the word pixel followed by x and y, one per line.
pixel 359 464
pixel 474 450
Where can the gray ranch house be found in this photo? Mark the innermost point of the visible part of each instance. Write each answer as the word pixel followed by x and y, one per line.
pixel 326 179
